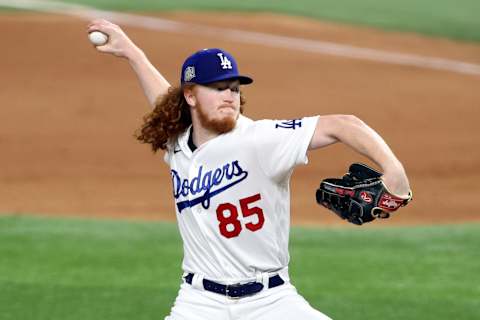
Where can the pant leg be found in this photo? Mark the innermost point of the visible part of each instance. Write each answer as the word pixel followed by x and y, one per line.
pixel 281 303
pixel 194 304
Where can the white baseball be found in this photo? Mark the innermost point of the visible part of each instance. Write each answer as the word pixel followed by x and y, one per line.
pixel 98 38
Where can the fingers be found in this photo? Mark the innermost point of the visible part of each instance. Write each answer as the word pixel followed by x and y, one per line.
pixel 100 23
pixel 110 29
pixel 96 24
pixel 119 44
pixel 104 26
pixel 104 49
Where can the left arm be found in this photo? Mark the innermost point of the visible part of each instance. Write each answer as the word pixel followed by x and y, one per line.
pixel 354 133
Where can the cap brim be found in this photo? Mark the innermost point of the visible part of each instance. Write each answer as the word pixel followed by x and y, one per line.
pixel 242 79
pixel 245 80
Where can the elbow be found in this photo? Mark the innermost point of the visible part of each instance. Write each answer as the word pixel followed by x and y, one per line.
pixel 349 120
pixel 353 124
pixel 345 125
pixel 333 128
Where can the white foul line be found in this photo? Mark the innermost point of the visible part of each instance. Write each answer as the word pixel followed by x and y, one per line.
pixel 313 46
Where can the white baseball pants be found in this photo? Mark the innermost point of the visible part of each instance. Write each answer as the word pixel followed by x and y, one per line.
pixel 279 303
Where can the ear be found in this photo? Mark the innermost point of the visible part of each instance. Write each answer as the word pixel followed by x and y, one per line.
pixel 189 94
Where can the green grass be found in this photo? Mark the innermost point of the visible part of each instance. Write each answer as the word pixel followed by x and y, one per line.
pixel 455 19
pixel 102 269
pixel 73 269
pixel 393 273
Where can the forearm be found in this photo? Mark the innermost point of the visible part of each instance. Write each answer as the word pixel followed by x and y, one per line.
pixel 151 80
pixel 354 133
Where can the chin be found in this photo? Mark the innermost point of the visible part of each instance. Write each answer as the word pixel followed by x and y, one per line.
pixel 225 124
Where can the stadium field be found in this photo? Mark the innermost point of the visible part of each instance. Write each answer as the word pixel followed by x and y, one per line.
pixel 68 268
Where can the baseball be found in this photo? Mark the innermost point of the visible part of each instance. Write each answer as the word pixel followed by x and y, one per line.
pixel 98 38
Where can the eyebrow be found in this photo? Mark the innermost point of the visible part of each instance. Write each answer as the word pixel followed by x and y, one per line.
pixel 231 85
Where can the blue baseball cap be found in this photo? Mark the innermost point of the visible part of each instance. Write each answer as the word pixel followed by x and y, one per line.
pixel 211 65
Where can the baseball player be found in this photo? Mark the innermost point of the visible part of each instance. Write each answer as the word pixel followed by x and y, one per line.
pixel 230 178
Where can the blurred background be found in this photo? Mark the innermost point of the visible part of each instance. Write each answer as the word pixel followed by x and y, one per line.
pixel 409 69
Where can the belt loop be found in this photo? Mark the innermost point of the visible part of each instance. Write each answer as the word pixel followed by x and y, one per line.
pixel 265 280
pixel 262 277
pixel 197 282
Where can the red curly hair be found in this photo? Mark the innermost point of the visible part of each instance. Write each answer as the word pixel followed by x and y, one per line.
pixel 170 117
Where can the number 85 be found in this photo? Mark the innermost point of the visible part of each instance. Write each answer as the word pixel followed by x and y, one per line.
pixel 232 219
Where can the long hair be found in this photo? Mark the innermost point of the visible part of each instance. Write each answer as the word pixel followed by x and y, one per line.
pixel 170 117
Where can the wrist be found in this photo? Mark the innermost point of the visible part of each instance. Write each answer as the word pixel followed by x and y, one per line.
pixel 135 55
pixel 396 181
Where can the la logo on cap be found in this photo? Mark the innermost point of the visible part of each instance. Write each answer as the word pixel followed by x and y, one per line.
pixel 226 64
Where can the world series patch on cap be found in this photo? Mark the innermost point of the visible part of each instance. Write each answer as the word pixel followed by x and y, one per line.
pixel 211 65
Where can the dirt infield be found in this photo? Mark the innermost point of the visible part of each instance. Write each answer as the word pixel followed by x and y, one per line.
pixel 68 115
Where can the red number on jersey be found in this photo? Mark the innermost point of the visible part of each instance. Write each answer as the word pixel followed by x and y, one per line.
pixel 247 212
pixel 232 219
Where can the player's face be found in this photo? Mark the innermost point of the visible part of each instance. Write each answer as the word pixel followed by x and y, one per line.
pixel 218 105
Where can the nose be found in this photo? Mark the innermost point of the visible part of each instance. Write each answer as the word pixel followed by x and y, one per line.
pixel 228 95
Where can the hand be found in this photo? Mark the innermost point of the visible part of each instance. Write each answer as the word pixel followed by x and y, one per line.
pixel 119 44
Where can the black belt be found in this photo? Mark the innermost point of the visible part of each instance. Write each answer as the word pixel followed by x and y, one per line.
pixel 237 290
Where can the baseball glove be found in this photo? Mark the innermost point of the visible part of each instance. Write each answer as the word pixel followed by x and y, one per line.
pixel 360 196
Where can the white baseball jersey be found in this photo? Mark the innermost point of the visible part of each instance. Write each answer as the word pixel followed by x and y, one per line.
pixel 232 197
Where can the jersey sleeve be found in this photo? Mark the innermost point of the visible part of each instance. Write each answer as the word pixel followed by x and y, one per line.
pixel 282 144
